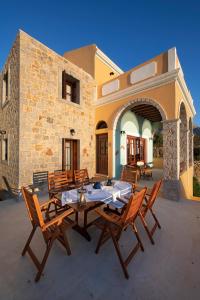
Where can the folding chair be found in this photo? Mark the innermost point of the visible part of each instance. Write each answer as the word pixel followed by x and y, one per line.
pixel 130 175
pixel 113 225
pixel 58 182
pixel 51 229
pixel 81 177
pixel 150 199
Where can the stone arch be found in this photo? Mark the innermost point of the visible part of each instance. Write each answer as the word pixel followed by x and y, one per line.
pixel 125 108
pixel 183 131
pixel 136 102
pixel 191 142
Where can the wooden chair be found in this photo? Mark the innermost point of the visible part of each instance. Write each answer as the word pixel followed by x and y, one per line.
pixel 113 226
pixel 13 192
pixel 81 177
pixel 58 182
pixel 51 230
pixel 150 199
pixel 40 179
pixel 130 175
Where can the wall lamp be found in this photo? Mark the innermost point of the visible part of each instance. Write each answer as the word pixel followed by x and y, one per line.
pixel 72 131
pixel 2 132
pixel 122 132
pixel 112 73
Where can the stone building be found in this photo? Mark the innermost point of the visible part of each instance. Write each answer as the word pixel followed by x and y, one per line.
pixel 81 110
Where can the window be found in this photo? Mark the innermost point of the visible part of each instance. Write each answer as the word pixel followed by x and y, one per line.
pixel 101 125
pixel 4 152
pixel 70 88
pixel 5 88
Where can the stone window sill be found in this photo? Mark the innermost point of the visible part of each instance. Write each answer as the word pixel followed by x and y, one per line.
pixel 79 106
pixel 4 162
pixel 3 105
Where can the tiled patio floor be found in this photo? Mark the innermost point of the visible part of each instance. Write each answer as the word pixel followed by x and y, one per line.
pixel 167 270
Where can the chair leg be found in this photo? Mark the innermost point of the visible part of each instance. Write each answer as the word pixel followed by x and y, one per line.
pixel 156 220
pixel 146 228
pixel 65 240
pixel 42 265
pixel 119 254
pixel 138 237
pixel 29 240
pixel 100 239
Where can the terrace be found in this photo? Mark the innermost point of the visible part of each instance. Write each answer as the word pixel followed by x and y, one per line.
pixel 167 270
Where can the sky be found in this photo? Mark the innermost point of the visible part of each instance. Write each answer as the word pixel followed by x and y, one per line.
pixel 129 32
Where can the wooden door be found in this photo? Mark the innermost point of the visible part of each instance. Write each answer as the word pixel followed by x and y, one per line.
pixel 70 155
pixel 102 153
pixel 135 149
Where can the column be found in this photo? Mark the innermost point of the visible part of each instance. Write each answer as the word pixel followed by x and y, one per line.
pixel 171 159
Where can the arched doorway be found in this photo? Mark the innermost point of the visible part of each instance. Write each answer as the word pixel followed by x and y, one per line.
pixel 184 155
pixel 133 132
pixel 102 148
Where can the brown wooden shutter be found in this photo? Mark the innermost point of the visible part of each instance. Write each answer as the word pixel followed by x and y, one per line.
pixel 63 85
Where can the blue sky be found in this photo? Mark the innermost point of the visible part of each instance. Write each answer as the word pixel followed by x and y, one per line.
pixel 129 32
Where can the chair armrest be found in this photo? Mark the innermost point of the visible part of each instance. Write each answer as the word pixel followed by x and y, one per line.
pixel 106 216
pixel 46 203
pixel 58 220
pixel 139 188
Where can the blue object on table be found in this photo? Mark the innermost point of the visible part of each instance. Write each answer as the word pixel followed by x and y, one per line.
pixel 109 182
pixel 97 185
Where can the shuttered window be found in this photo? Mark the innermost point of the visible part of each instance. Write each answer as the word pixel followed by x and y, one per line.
pixel 70 88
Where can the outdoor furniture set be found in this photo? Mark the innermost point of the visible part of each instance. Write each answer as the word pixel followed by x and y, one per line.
pixel 116 204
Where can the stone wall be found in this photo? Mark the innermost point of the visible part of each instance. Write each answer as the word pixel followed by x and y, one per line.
pixel 44 117
pixel 9 117
pixel 197 169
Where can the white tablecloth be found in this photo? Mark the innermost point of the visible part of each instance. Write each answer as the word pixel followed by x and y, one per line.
pixel 107 194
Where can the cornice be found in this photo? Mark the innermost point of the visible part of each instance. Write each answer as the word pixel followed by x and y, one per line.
pixel 148 84
pixel 139 87
pixel 108 61
pixel 186 93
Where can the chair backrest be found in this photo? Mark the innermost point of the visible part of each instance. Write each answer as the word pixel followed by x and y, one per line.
pixel 40 177
pixel 81 176
pixel 57 180
pixel 154 193
pixel 133 207
pixel 129 175
pixel 33 207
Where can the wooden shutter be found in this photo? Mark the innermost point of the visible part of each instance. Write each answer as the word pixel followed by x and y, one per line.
pixel 63 85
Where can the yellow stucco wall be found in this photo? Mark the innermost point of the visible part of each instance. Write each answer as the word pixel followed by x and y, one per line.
pixel 107 112
pixel 83 57
pixel 164 95
pixel 186 179
pixel 181 98
pixel 102 71
pixel 87 59
pixel 124 78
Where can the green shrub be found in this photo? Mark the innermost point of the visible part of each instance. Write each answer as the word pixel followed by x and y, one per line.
pixel 196 187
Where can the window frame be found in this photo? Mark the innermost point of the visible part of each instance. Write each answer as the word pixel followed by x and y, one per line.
pixel 75 88
pixel 4 151
pixel 5 88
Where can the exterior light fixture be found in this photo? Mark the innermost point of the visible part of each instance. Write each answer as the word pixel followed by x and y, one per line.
pixel 112 73
pixel 122 132
pixel 2 132
pixel 72 131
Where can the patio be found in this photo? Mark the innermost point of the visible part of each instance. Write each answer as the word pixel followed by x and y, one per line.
pixel 167 270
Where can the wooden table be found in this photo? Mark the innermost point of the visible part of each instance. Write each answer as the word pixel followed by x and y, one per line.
pixel 100 197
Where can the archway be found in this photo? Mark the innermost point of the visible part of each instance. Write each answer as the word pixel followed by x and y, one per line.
pixel 133 128
pixel 191 146
pixel 183 139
